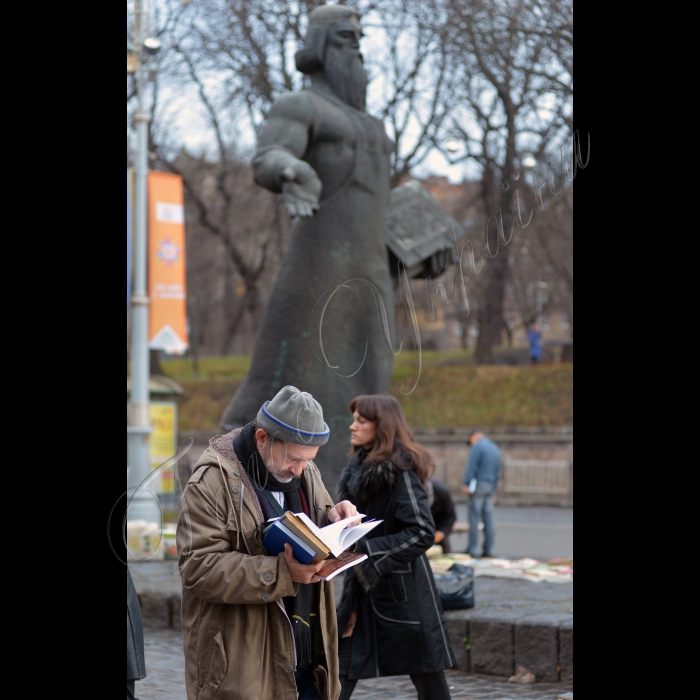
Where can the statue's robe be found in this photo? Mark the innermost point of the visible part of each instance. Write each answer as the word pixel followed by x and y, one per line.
pixel 344 240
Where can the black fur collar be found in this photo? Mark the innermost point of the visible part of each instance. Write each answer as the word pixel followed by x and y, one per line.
pixel 359 481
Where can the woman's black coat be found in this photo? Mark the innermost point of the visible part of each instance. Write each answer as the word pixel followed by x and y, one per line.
pixel 400 625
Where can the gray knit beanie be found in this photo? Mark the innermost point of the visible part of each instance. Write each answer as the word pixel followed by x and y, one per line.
pixel 294 416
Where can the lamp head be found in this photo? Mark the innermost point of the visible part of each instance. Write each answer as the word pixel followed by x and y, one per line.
pixel 152 45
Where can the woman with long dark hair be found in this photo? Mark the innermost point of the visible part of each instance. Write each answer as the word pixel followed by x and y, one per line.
pixel 390 619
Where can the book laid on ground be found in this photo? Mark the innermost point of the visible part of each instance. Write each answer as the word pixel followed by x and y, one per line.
pixel 313 544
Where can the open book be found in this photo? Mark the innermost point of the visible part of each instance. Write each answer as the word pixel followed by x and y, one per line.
pixel 312 544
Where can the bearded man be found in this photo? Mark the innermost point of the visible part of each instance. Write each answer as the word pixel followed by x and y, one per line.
pixel 258 627
pixel 330 159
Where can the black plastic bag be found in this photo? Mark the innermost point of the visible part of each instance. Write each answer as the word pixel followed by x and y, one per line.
pixel 456 587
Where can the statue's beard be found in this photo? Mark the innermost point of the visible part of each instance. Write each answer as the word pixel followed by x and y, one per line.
pixel 346 76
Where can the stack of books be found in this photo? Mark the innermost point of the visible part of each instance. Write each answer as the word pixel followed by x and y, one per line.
pixel 312 544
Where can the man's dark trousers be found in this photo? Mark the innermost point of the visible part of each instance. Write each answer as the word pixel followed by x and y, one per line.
pixel 305 684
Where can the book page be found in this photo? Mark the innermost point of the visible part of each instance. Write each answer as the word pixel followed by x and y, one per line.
pixel 336 537
pixel 318 531
pixel 352 534
pixel 310 524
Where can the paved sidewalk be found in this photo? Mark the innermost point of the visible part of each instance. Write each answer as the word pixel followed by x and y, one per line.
pixel 527 531
pixel 514 623
pixel 166 679
pixel 165 666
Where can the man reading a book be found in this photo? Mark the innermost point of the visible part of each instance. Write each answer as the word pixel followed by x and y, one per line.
pixel 255 625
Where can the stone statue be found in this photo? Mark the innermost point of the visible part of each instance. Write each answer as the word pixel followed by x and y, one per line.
pixel 330 159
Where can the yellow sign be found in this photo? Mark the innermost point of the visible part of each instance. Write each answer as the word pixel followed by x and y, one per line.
pixel 163 440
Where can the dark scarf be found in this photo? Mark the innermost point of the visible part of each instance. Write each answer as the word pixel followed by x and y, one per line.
pixel 360 480
pixel 302 608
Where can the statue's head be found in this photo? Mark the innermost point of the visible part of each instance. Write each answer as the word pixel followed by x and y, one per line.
pixel 332 47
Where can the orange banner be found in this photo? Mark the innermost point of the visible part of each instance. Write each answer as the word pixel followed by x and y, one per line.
pixel 166 263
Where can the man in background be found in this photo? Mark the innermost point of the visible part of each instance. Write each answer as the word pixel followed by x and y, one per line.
pixel 443 511
pixel 534 337
pixel 480 483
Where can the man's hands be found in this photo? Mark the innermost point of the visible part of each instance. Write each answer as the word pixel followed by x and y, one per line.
pixel 342 510
pixel 300 573
pixel 301 189
pixel 304 573
pixel 439 536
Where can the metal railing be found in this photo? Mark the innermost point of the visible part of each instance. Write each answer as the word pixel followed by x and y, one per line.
pixel 537 476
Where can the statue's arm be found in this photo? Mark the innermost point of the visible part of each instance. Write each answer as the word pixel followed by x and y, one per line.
pixel 278 164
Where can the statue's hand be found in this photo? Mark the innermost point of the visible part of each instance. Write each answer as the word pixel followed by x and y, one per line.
pixel 301 189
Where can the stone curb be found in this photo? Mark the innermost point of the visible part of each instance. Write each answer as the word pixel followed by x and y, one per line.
pixel 160 611
pixel 497 643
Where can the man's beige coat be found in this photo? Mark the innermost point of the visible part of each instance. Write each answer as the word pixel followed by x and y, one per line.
pixel 238 640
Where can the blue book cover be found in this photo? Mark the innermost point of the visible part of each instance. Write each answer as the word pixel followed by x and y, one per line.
pixel 276 537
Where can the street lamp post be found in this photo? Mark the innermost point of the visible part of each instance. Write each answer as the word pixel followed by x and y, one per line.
pixel 142 506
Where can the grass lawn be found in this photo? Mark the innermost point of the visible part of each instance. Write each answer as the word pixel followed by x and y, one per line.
pixel 451 392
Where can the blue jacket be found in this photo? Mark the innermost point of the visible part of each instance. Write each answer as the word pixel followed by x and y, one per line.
pixel 484 463
pixel 535 347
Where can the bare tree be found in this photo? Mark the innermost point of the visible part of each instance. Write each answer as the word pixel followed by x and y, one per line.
pixel 554 234
pixel 540 270
pixel 161 23
pixel 248 47
pixel 516 102
pixel 496 75
pixel 235 238
pixel 234 229
pixel 413 70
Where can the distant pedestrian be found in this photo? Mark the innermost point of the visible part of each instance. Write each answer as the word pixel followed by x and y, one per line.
pixel 135 660
pixel 535 339
pixel 443 509
pixel 480 483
